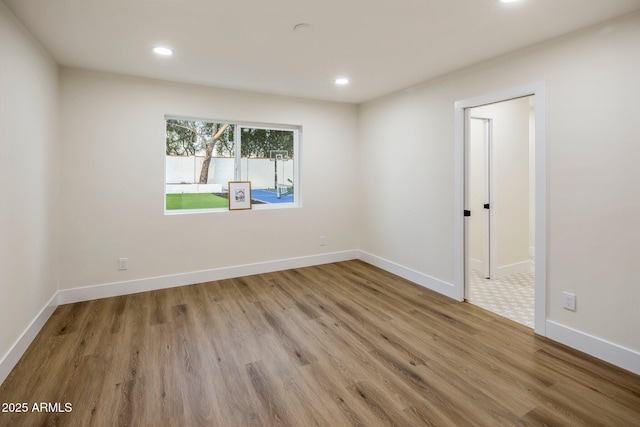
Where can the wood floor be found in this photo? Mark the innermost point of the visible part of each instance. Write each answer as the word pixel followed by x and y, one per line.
pixel 334 345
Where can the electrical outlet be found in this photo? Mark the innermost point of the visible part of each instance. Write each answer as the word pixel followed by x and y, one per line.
pixel 323 240
pixel 569 301
pixel 123 263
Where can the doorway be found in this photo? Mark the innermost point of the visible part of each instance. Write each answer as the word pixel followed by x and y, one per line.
pixel 500 231
pixel 462 110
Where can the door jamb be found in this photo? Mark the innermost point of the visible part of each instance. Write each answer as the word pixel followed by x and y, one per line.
pixel 461 107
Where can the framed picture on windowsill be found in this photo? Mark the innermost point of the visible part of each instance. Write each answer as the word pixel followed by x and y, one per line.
pixel 239 195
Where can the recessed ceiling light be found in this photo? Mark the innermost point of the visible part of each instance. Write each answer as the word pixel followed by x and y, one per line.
pixel 341 81
pixel 162 51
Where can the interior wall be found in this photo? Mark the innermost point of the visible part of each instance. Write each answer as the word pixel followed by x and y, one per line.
pixel 592 86
pixel 109 207
pixel 28 173
pixel 112 181
pixel 510 183
pixel 406 159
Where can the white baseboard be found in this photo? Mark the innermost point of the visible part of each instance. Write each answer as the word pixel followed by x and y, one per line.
pixel 421 279
pixel 622 357
pixel 11 358
pixel 625 358
pixel 67 296
pixel 516 268
pixel 604 350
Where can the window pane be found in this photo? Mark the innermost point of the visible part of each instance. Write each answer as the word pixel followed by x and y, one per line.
pixel 199 164
pixel 267 160
pixel 203 156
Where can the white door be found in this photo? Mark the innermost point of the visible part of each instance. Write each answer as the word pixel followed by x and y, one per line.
pixel 479 187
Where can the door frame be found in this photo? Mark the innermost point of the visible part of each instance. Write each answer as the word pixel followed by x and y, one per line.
pixel 461 117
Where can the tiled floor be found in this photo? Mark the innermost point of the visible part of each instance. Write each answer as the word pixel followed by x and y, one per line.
pixel 511 297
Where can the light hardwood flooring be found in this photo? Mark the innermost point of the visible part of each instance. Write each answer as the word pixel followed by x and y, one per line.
pixel 333 345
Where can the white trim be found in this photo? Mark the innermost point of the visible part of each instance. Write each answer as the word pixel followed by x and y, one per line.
pixel 87 293
pixel 67 296
pixel 515 268
pixel 541 212
pixel 459 270
pixel 604 350
pixel 414 276
pixel 538 90
pixel 13 355
pixel 615 354
pixel 238 125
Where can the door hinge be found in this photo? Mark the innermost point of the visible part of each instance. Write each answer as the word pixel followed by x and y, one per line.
pixel 486 205
pixel 467 213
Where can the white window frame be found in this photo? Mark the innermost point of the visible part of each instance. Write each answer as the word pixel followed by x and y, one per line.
pixel 297 131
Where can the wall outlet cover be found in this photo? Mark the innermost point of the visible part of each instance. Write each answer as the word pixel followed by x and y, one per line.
pixel 569 301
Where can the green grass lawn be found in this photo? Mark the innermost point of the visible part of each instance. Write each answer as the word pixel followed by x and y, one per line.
pixel 195 201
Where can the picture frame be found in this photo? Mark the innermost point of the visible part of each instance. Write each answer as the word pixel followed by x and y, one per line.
pixel 239 195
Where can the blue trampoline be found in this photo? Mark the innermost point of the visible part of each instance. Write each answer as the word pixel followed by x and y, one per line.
pixel 266 196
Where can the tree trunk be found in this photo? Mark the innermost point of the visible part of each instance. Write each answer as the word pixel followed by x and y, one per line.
pixel 204 172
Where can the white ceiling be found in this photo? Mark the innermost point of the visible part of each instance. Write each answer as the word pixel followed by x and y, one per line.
pixel 382 45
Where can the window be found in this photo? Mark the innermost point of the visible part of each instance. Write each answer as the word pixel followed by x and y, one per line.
pixel 203 156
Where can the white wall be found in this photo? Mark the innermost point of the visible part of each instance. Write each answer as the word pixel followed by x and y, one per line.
pixel 117 211
pixel 400 210
pixel 28 175
pixel 593 133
